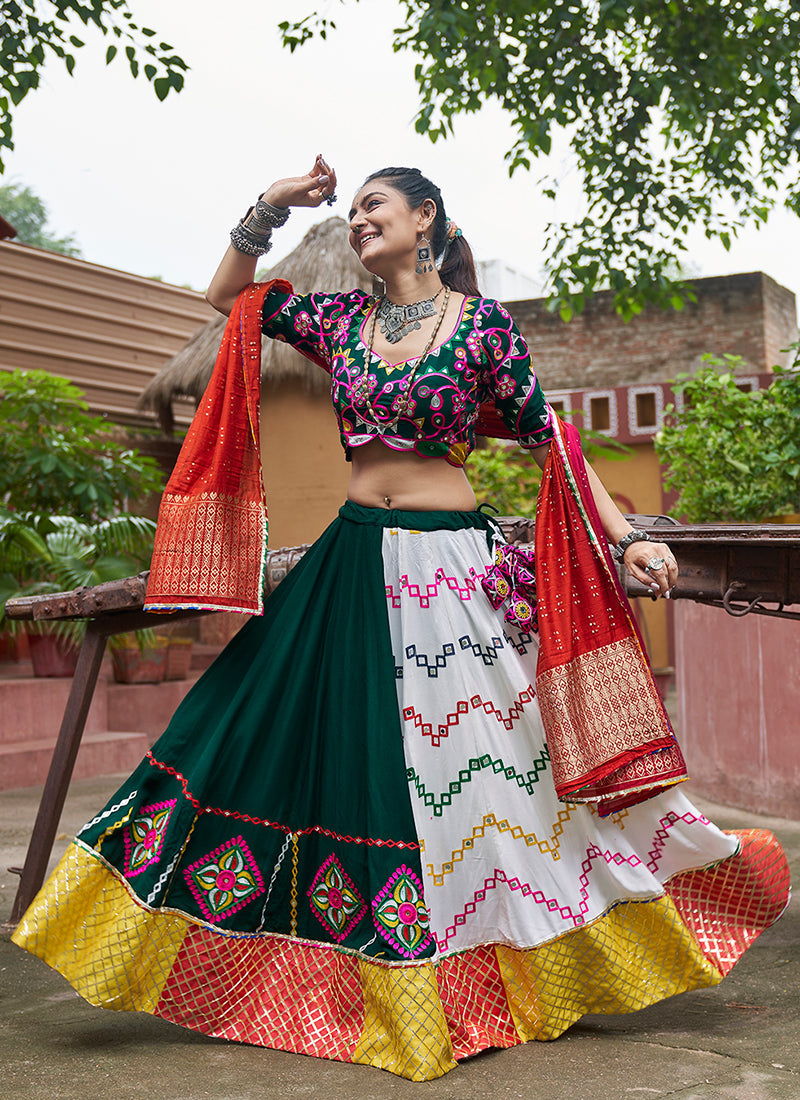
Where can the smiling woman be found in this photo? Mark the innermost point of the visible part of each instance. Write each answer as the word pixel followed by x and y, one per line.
pixel 422 804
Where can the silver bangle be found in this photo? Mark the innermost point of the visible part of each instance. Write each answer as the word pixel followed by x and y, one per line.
pixel 267 216
pixel 249 243
pixel 628 540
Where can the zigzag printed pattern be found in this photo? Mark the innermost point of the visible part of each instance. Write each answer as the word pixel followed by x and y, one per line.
pixel 433 666
pixel 549 846
pixel 662 835
pixel 515 712
pixel 522 643
pixel 564 910
pixel 464 591
pixel 527 780
pixel 594 854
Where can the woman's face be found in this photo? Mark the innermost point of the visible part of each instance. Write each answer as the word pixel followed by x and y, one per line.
pixel 384 230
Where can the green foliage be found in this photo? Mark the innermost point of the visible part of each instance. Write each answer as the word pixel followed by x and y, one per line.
pixel 28 214
pixel 40 554
pixel 733 455
pixel 677 112
pixel 508 476
pixel 33 29
pixel 57 458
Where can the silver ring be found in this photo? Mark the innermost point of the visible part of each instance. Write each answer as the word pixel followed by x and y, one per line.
pixel 330 199
pixel 654 563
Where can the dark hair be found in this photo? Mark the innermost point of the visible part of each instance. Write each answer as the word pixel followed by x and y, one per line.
pixel 457 267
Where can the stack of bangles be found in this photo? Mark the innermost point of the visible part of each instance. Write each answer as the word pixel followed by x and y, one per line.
pixel 639 536
pixel 253 232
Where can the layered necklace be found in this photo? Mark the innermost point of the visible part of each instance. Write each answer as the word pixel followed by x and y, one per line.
pixel 361 388
pixel 397 321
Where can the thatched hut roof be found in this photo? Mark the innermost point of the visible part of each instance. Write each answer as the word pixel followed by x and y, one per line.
pixel 323 260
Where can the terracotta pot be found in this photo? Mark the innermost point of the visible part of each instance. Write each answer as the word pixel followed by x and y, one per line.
pixel 179 658
pixel 13 647
pixel 132 666
pixel 52 656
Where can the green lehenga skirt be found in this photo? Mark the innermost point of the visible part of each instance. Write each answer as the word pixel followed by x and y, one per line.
pixel 347 842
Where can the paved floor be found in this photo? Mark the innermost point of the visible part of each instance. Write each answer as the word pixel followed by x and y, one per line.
pixel 739 1041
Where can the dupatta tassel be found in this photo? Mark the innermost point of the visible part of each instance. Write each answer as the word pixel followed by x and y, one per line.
pixel 512 578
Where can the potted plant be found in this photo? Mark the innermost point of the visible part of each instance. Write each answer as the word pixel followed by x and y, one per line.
pixel 41 554
pixel 140 658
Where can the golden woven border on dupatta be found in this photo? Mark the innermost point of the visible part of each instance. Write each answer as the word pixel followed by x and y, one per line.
pixel 415 1019
pixel 608 734
pixel 211 540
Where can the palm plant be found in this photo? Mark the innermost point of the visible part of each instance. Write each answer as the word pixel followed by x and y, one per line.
pixel 41 554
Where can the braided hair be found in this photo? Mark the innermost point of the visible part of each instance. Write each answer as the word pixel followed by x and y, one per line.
pixel 457 266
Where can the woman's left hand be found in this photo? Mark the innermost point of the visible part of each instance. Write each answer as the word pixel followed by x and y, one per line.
pixel 654 565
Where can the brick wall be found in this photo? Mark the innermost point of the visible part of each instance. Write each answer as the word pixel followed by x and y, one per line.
pixel 748 315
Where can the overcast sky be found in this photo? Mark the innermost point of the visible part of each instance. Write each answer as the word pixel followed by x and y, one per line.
pixel 154 188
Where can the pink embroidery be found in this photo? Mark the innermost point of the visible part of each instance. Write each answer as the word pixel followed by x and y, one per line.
pixel 334 899
pixel 565 911
pixel 512 578
pixel 662 835
pixel 224 880
pixel 464 591
pixel 400 913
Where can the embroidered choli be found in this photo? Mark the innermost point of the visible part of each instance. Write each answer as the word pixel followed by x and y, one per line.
pixel 480 372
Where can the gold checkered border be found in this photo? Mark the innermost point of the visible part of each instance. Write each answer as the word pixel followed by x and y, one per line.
pixel 414 1019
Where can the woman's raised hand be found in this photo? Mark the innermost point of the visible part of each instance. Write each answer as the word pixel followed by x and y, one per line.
pixel 313 189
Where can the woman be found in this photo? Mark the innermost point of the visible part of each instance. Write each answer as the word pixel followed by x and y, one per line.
pixel 353 840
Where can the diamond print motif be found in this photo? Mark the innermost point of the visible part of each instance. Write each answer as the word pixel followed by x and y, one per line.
pixel 400 913
pixel 144 837
pixel 224 880
pixel 334 899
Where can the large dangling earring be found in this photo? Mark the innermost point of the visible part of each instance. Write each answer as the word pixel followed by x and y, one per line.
pixel 424 258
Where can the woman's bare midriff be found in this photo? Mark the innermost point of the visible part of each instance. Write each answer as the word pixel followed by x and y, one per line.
pixel 383 478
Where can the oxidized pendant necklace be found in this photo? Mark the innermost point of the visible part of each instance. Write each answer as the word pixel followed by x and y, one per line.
pixel 361 388
pixel 397 321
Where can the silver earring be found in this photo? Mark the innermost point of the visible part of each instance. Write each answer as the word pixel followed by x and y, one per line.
pixel 424 258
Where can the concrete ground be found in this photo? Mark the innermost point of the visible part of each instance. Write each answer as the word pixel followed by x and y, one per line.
pixel 738 1041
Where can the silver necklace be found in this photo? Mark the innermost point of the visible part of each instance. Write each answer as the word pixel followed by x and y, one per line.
pixel 361 389
pixel 397 321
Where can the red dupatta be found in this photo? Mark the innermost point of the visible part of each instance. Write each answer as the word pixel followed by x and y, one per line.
pixel 608 734
pixel 211 540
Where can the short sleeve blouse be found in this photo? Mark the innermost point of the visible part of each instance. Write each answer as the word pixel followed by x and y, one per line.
pixel 484 360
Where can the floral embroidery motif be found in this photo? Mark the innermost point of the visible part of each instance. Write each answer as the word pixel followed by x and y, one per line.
pixel 400 913
pixel 334 900
pixel 225 880
pixel 302 324
pixel 144 837
pixel 506 386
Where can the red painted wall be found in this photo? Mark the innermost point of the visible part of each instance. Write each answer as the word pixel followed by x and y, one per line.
pixel 739 707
